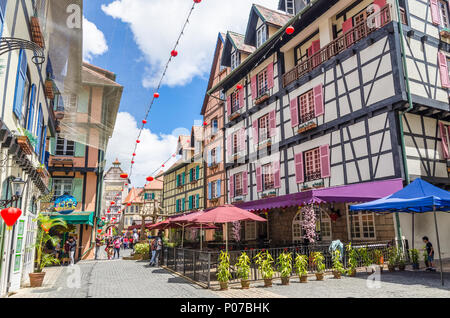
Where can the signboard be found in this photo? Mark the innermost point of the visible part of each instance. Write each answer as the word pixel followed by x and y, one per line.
pixel 65 204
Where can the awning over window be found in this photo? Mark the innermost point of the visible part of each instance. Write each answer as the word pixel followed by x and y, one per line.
pixel 76 217
pixel 359 192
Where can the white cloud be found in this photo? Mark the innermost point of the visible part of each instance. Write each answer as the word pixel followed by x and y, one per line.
pixel 157 23
pixel 94 42
pixel 150 154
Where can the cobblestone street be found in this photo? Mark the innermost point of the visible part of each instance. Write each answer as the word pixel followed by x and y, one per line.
pixel 125 278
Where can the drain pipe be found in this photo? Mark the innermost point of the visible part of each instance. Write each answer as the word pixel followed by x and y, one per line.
pixel 401 114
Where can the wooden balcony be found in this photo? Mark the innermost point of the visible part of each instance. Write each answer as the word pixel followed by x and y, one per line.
pixel 343 42
pixel 36 33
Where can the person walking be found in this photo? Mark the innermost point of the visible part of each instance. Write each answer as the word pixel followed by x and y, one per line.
pixel 125 243
pixel 430 253
pixel 117 245
pixel 158 246
pixel 72 249
pixel 130 240
pixel 98 244
pixel 153 250
pixel 109 247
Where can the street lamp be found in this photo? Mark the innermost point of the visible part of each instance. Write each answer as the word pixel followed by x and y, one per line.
pixel 17 187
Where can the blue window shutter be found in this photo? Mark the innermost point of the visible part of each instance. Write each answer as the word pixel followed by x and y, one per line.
pixel 44 145
pixel 197 197
pixel 2 15
pixel 30 120
pixel 218 154
pixel 209 158
pixel 218 189
pixel 209 190
pixel 197 172
pixel 37 147
pixel 20 84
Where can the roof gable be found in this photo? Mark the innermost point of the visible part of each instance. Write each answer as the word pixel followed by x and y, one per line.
pixel 234 41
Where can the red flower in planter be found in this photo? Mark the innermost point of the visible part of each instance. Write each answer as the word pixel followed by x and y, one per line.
pixel 285 249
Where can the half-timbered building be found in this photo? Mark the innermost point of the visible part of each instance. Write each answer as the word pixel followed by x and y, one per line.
pixel 340 108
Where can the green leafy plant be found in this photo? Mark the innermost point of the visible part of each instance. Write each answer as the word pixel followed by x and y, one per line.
pixel 142 249
pixel 243 266
pixel 425 255
pixel 378 255
pixel 337 264
pixel 365 256
pixel 223 270
pixel 393 256
pixel 31 138
pixel 414 254
pixel 301 265
pixel 264 261
pixel 285 264
pixel 352 259
pixel 45 224
pixel 318 260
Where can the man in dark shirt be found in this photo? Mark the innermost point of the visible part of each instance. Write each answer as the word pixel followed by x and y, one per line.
pixel 430 253
pixel 72 248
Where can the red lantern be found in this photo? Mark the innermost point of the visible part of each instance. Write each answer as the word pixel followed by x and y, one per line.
pixel 144 121
pixel 99 231
pixel 239 86
pixel 124 175
pixel 174 53
pixel 156 95
pixel 129 203
pixel 119 212
pixel 197 1
pixel 174 155
pixel 10 216
pixel 149 179
pixel 205 124
pixel 138 141
pixel 132 162
pixel 113 218
pixel 112 202
pixel 126 184
pixel 134 155
pixel 163 166
pixel 290 30
pixel 103 218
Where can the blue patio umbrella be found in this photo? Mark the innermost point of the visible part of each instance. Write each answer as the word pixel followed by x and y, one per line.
pixel 417 197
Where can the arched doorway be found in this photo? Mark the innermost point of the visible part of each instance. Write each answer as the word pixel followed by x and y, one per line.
pixel 323 225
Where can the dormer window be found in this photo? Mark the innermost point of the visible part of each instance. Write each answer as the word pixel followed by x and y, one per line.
pixel 234 60
pixel 261 35
pixel 290 6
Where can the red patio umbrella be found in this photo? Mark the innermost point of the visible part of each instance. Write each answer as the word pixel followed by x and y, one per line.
pixel 184 220
pixel 226 214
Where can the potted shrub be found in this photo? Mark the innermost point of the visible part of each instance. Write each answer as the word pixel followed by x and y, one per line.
pixel 365 257
pixel 223 270
pixel 318 260
pixel 285 267
pixel 141 251
pixel 425 257
pixel 392 261
pixel 379 258
pixel 414 254
pixel 43 237
pixel 352 260
pixel 243 270
pixel 338 268
pixel 401 262
pixel 264 261
pixel 301 267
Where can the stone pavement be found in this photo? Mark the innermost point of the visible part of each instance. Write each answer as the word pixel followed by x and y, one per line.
pixel 124 278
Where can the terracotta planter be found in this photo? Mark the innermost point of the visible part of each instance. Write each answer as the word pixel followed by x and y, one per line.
pixel 391 268
pixel 304 279
pixel 36 279
pixel 337 275
pixel 267 282
pixel 245 284
pixel 223 285
pixel 319 276
pixel 284 280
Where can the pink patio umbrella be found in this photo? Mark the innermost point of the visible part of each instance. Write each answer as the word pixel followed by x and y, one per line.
pixel 186 220
pixel 226 214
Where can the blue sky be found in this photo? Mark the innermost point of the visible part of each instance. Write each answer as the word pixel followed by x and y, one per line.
pixel 133 38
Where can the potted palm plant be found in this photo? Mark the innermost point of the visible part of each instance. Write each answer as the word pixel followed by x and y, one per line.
pixel 352 260
pixel 243 270
pixel 285 267
pixel 379 258
pixel 401 262
pixel 301 267
pixel 392 261
pixel 264 261
pixel 43 237
pixel 223 270
pixel 338 268
pixel 318 260
pixel 414 254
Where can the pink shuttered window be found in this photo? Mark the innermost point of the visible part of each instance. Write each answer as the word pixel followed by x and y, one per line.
pixel 443 70
pixel 273 123
pixel 312 165
pixel 346 27
pixel 262 83
pixel 294 112
pixel 379 3
pixel 241 97
pixel 306 107
pixel 254 86
pixel 259 187
pixel 229 145
pixel 255 132
pixel 444 13
pixel 238 184
pixel 435 14
pixel 316 48
pixel 244 183
pixel 229 105
pixel 325 161
pixel 231 186
pixel 445 139
pixel 299 171
pixel 264 131
pixel 235 142
pixel 276 175
pixel 270 76
pixel 268 177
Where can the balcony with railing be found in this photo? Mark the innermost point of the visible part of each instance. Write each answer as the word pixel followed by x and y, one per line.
pixel 340 44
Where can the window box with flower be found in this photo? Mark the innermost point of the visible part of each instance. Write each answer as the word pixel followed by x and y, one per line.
pixel 26 140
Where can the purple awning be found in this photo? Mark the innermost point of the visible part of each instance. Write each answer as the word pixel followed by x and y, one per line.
pixel 359 192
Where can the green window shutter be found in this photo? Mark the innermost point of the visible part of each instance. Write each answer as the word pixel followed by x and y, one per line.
pixel 178 205
pixel 52 146
pixel 191 175
pixel 190 202
pixel 178 180
pixel 77 189
pixel 83 101
pixel 80 149
pixel 153 196
pixel 197 197
pixel 197 172
pixel 183 178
